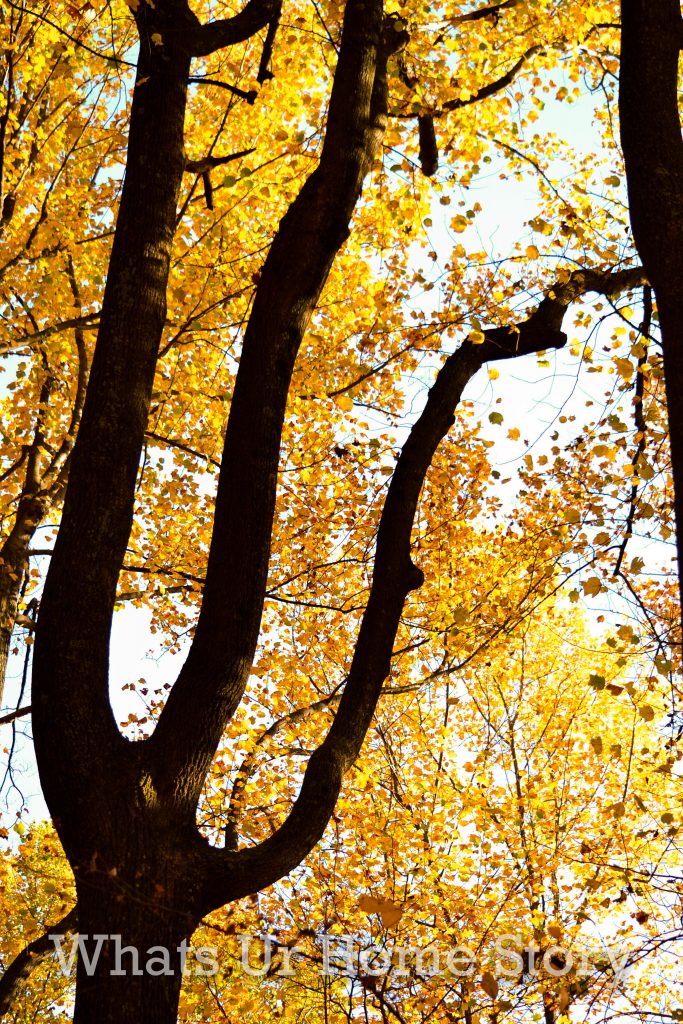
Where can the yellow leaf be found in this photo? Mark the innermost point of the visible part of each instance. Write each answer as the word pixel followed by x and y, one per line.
pixel 494 374
pixel 513 433
pixel 532 252
pixel 344 402
pixel 624 368
pixel 390 913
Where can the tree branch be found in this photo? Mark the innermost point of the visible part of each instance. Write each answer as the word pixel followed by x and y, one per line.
pixel 265 72
pixel 203 40
pixel 79 747
pixel 229 874
pixel 19 712
pixel 211 683
pixel 651 139
pixel 641 427
pixel 486 90
pixel 87 320
pixel 493 11
pixel 17 974
pixel 209 162
pixel 249 96
pixel 492 87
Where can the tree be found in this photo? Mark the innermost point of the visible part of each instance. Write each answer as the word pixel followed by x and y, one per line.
pixel 126 811
pixel 524 812
pixel 653 155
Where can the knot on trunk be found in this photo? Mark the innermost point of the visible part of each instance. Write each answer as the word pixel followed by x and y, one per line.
pixel 414 577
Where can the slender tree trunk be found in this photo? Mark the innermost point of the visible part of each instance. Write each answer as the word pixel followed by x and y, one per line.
pixel 9 602
pixel 13 565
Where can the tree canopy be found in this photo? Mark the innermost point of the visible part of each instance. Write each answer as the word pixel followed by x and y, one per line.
pixel 327 353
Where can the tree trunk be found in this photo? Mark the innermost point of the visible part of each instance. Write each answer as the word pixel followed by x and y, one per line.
pixel 9 600
pixel 13 565
pixel 135 973
pixel 670 309
pixel 651 36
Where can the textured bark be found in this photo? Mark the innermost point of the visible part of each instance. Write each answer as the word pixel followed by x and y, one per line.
pixel 147 922
pixel 651 38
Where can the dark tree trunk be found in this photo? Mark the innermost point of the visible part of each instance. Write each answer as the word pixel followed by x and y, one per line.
pixel 81 584
pixel 651 38
pixel 141 890
pixel 135 974
pixel 140 865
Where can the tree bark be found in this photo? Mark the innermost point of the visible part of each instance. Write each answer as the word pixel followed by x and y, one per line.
pixel 651 39
pixel 125 812
pixel 135 973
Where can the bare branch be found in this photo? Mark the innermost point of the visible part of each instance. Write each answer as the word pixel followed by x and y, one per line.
pixel 492 11
pixel 249 96
pixel 639 417
pixel 18 713
pixel 265 72
pixel 209 162
pixel 486 90
pixel 202 40
pixel 492 87
pixel 87 320
pixel 232 874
